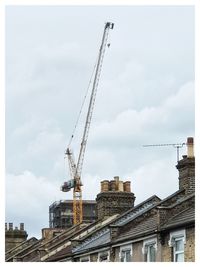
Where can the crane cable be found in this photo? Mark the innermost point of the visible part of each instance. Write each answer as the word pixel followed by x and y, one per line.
pixel 78 118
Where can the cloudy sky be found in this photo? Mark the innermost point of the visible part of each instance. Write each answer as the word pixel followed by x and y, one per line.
pixel 145 96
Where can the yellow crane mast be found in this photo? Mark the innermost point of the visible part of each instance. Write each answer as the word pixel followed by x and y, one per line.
pixel 75 169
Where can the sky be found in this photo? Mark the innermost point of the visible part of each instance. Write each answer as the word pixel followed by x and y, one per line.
pixel 145 96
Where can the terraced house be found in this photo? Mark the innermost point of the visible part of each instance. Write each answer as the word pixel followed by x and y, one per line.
pixel 156 230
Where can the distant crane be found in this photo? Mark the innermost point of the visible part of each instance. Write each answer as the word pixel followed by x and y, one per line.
pixel 177 146
pixel 75 169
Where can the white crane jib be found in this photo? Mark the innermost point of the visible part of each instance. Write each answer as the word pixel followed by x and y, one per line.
pixel 75 169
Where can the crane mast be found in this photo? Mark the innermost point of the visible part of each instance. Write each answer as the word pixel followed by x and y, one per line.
pixel 75 170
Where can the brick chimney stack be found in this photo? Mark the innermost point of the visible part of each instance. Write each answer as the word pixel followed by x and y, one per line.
pixel 115 197
pixel 14 237
pixel 186 168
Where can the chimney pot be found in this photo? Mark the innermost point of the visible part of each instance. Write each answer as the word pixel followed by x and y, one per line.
pixel 190 147
pixel 22 226
pixel 121 186
pixel 112 185
pixel 105 186
pixel 117 182
pixel 116 178
pixel 127 186
pixel 10 226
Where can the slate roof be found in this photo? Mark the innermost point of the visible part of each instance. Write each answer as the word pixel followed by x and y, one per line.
pixel 137 210
pixel 61 238
pixel 173 198
pixel 21 246
pixel 60 243
pixel 96 227
pixel 185 217
pixel 147 225
pixel 61 254
pixel 102 236
pixel 102 239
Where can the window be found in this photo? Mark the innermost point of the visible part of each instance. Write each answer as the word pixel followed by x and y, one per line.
pixel 177 241
pixel 103 256
pixel 178 249
pixel 151 252
pixel 149 249
pixel 125 253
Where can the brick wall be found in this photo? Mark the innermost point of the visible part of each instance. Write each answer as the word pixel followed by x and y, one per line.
pixel 110 203
pixel 137 255
pixel 14 238
pixel 186 168
pixel 189 249
pixel 94 257
pixel 190 245
pixel 137 252
pixel 166 252
pixel 116 254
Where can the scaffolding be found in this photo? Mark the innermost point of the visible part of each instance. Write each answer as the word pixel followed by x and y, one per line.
pixel 61 213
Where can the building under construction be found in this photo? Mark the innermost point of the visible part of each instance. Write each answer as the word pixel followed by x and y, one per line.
pixel 61 213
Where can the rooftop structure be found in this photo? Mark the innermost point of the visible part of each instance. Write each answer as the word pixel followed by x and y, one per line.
pixel 115 198
pixel 13 237
pixel 61 213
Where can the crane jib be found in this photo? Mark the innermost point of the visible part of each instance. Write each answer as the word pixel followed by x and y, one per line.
pixel 75 169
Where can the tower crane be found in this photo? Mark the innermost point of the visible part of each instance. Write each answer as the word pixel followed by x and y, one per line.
pixel 75 169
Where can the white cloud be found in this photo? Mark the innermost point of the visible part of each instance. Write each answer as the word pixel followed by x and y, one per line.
pixel 28 199
pixel 158 177
pixel 45 143
pixel 171 118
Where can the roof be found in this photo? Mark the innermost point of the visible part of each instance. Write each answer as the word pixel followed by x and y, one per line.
pixel 173 197
pixel 61 254
pixel 185 217
pixel 22 245
pixel 102 235
pixel 147 225
pixel 102 238
pixel 136 211
pixel 96 228
pixel 22 248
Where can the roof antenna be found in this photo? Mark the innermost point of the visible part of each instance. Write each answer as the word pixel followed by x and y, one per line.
pixel 177 146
